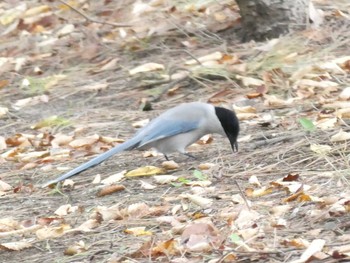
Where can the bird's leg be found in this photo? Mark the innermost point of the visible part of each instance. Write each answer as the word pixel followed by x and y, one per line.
pixel 166 157
pixel 189 155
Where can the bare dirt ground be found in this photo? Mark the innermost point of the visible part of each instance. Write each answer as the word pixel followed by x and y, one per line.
pixel 247 214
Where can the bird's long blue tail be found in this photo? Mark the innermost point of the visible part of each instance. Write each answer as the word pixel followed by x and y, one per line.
pixel 128 145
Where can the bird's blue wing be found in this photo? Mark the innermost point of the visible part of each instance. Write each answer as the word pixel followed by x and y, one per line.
pixel 167 128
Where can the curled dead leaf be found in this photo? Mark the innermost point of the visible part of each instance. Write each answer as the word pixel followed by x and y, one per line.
pixel 206 166
pixel 170 165
pixel 110 189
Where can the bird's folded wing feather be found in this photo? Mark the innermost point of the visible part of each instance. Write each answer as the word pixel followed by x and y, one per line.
pixel 168 128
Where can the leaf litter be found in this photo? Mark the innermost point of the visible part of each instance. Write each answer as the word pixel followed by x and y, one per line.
pixel 71 90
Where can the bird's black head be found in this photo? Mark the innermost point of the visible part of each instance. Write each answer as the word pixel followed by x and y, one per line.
pixel 230 123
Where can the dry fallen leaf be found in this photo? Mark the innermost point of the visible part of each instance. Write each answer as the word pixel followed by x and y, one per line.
pixel 114 178
pixel 64 210
pixel 77 248
pixel 84 141
pixel 16 246
pixel 52 232
pixel 315 246
pixel 138 231
pixel 165 179
pixel 320 149
pixel 170 165
pixel 198 200
pixel 340 136
pixel 146 68
pixel 110 189
pixel 145 171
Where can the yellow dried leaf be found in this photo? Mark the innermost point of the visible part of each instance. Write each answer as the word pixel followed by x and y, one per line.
pixel 145 171
pixel 250 192
pixel 138 231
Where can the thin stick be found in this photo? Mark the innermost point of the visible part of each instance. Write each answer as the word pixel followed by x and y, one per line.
pixel 242 194
pixel 91 19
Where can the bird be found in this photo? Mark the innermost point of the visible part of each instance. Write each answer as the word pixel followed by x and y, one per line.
pixel 172 131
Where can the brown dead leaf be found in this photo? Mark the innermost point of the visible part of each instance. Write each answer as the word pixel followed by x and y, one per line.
pixel 206 166
pixel 108 213
pixel 170 165
pixel 3 84
pixel 168 247
pixel 298 243
pixel 61 139
pixel 110 189
pixel 84 141
pixel 254 95
pixel 138 210
pixel 201 237
pixel 250 192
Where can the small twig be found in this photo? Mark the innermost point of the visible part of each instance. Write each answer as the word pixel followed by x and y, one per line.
pixel 91 19
pixel 243 195
pixel 276 140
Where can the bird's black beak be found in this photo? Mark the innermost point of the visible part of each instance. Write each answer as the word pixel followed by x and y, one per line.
pixel 234 144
